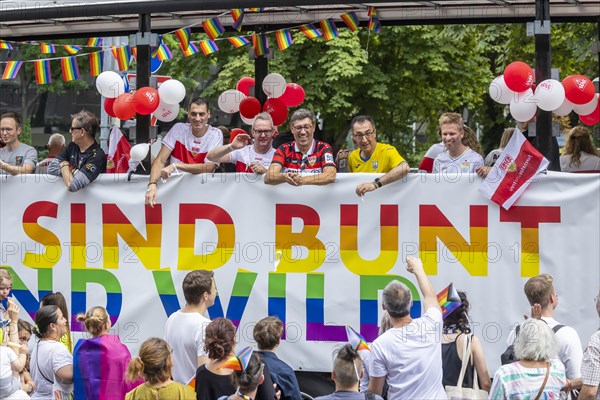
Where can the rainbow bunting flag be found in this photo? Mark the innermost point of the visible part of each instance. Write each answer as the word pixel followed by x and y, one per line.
pixel 310 31
pixel 374 24
pixel 12 69
pixel 95 63
pixel 260 44
pixel 238 41
pixel 42 72
pixel 284 38
pixel 134 52
pixel 449 300
pixel 372 12
pixel 208 47
pixel 255 9
pixel 162 52
pixel 213 28
pixel 329 29
pixel 47 48
pixel 5 45
pixel 190 50
pixel 72 49
pixel 123 56
pixel 183 35
pixel 351 20
pixel 237 14
pixel 240 361
pixel 356 340
pixel 70 69
pixel 95 42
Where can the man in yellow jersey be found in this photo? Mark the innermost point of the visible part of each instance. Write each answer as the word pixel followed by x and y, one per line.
pixel 374 157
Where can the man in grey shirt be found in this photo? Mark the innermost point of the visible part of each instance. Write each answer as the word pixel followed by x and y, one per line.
pixel 16 157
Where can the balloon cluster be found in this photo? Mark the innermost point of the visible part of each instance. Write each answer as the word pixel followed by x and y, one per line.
pixel 162 103
pixel 516 88
pixel 281 96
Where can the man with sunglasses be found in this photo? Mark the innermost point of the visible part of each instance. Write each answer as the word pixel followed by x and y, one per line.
pixel 83 160
pixel 253 159
pixel 374 157
pixel 305 161
pixel 15 157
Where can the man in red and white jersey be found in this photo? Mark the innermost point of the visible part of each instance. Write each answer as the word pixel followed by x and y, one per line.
pixel 305 161
pixel 458 158
pixel 185 147
pixel 253 159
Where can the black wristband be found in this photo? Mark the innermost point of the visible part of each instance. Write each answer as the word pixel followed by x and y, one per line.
pixel 377 182
pixel 152 183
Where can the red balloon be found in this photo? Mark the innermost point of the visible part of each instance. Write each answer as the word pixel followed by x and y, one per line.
pixel 293 95
pixel 518 76
pixel 124 107
pixel 146 100
pixel 108 106
pixel 234 132
pixel 249 107
pixel 277 109
pixel 245 84
pixel 592 118
pixel 578 89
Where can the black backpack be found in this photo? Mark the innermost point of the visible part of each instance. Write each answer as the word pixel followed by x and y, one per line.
pixel 508 356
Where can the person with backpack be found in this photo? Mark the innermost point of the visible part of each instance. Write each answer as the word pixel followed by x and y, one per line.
pixel 540 290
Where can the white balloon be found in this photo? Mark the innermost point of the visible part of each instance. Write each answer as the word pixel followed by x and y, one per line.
pixel 110 84
pixel 166 112
pixel 587 108
pixel 523 106
pixel 171 92
pixel 274 85
pixel 499 92
pixel 139 151
pixel 565 108
pixel 247 121
pixel 229 100
pixel 550 94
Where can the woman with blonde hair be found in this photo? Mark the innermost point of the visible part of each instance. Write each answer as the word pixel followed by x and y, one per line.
pixel 579 154
pixel 100 362
pixel 155 363
pixel 493 155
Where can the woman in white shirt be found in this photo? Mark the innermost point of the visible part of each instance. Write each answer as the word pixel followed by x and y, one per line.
pixel 579 154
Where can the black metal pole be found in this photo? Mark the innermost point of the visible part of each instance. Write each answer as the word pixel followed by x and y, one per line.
pixel 142 126
pixel 261 69
pixel 543 63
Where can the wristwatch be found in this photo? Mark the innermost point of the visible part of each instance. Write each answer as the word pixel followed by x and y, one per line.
pixel 377 182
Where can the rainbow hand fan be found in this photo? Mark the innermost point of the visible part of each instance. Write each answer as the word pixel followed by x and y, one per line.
pixel 449 300
pixel 356 340
pixel 240 361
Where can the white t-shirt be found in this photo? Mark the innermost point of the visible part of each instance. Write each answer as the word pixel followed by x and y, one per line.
pixel 184 332
pixel 245 156
pixel 7 380
pixel 47 357
pixel 411 358
pixel 189 149
pixel 468 161
pixel 589 162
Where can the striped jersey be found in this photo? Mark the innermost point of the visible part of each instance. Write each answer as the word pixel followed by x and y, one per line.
pixel 314 161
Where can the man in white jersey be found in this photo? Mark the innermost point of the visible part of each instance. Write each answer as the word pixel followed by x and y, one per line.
pixel 184 330
pixel 255 158
pixel 457 158
pixel 185 147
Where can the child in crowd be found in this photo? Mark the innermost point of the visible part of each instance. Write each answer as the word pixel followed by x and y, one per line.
pixel 247 379
pixel 10 366
pixel 25 332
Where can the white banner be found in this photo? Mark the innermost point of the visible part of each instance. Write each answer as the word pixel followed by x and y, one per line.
pixel 102 246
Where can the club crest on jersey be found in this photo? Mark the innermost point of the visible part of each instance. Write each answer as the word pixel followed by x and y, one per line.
pixel 312 160
pixel 375 164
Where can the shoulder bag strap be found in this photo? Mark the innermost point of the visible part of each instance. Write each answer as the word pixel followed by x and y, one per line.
pixel 475 381
pixel 465 360
pixel 545 380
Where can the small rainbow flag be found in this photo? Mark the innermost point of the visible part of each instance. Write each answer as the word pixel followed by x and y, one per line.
pixel 329 29
pixel 284 38
pixel 42 72
pixel 255 9
pixel 260 44
pixel 95 63
pixel 183 35
pixel 192 383
pixel 356 340
pixel 449 300
pixel 213 28
pixel 351 19
pixel 162 52
pixel 240 361
pixel 12 69
pixel 47 48
pixel 208 47
pixel 237 14
pixel 238 41
pixel 72 49
pixel 374 24
pixel 5 45
pixel 134 52
pixel 70 69
pixel 190 50
pixel 310 31
pixel 95 42
pixel 123 56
